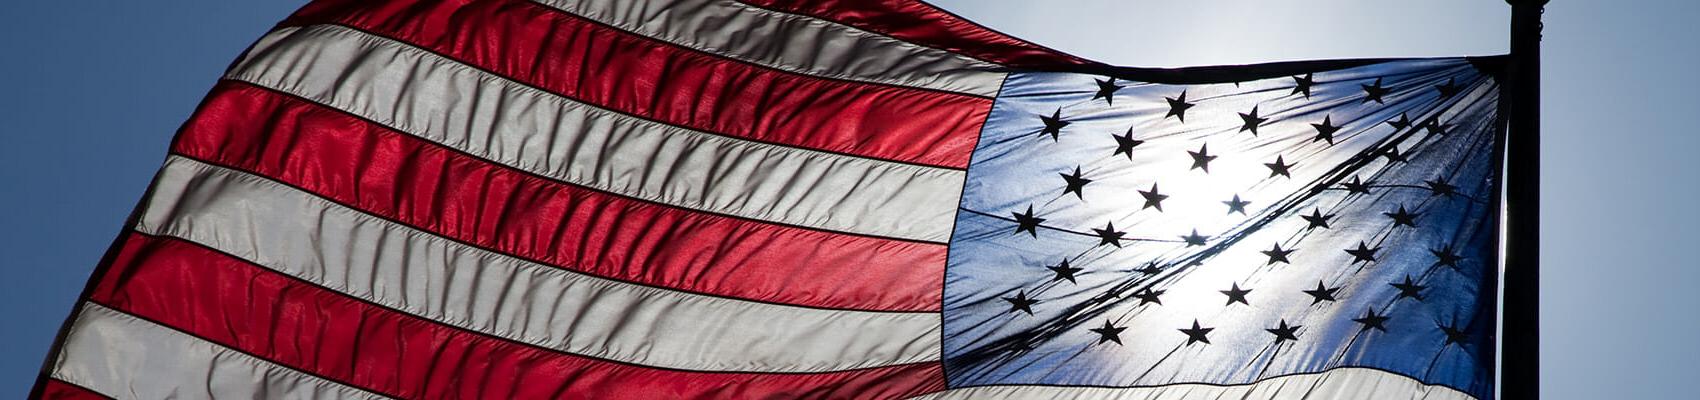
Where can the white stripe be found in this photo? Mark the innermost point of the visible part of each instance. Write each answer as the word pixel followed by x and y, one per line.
pixel 124 357
pixel 1342 383
pixel 296 234
pixel 791 42
pixel 462 108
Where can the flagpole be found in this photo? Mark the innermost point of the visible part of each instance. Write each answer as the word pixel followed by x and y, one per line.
pixel 1520 341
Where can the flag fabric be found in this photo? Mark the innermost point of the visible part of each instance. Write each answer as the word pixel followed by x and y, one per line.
pixel 763 199
pixel 1330 234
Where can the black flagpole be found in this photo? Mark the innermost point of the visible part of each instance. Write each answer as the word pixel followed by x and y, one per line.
pixel 1520 341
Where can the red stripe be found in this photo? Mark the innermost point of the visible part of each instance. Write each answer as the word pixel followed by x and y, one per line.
pixel 419 183
pixel 632 74
pixel 920 23
pixel 283 320
pixel 54 389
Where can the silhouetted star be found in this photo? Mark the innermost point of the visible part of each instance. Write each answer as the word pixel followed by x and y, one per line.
pixel 1403 122
pixel 1106 90
pixel 1149 296
pixel 1053 124
pixel 1302 85
pixel 1075 183
pixel 1251 121
pixel 1150 268
pixel 1445 256
pixel 1021 303
pixel 1436 128
pixel 1201 159
pixel 1438 187
pixel 1236 295
pixel 1027 222
pixel 1393 156
pixel 1194 239
pixel 1409 289
pixel 1454 335
pixel 1236 205
pixel 1372 321
pixel 1197 333
pixel 1316 219
pixel 1285 332
pixel 1152 198
pixel 1111 294
pixel 1325 130
pixel 1063 271
pixel 1356 186
pixel 1178 106
pixel 1278 255
pixel 1125 143
pixel 1109 333
pixel 1449 89
pixel 1375 92
pixel 1403 217
pixel 1321 293
pixel 1109 235
pixel 1363 253
pixel 1279 167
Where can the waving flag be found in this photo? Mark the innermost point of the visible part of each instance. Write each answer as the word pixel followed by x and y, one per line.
pixel 788 199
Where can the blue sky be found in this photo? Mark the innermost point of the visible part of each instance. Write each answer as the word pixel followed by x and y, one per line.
pixel 90 94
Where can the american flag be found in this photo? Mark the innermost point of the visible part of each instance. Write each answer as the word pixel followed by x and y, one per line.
pixel 677 199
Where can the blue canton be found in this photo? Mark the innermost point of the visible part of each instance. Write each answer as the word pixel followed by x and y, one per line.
pixel 1120 233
